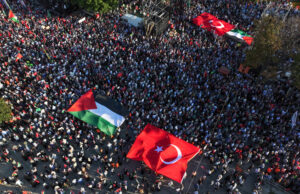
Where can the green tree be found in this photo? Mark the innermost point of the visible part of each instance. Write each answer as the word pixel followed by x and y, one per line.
pixel 5 111
pixel 276 42
pixel 102 6
pixel 267 42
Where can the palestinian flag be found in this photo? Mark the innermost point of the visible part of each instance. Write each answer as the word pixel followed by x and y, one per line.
pixel 100 111
pixel 12 16
pixel 240 36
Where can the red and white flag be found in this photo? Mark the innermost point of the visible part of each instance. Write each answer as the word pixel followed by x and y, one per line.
pixel 18 57
pixel 163 152
pixel 211 23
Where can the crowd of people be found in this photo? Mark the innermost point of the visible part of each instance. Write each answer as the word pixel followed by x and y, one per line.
pixel 169 81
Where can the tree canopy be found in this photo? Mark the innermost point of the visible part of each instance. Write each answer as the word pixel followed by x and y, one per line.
pixel 96 5
pixel 276 46
pixel 5 111
pixel 267 42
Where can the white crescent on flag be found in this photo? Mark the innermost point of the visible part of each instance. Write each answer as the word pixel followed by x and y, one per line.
pixel 179 156
pixel 220 26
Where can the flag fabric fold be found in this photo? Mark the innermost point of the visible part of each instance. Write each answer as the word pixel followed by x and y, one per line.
pixel 99 111
pixel 163 152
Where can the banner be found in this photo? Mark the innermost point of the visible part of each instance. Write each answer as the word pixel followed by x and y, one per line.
pixel 294 119
pixel 81 20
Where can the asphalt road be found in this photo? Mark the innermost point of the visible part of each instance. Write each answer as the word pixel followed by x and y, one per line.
pixel 188 183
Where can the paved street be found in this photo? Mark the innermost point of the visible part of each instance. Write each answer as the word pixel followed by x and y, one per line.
pixel 246 188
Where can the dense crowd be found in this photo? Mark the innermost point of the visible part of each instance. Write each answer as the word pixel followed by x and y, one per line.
pixel 169 81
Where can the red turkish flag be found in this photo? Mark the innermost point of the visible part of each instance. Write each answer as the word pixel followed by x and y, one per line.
pixel 163 152
pixel 210 22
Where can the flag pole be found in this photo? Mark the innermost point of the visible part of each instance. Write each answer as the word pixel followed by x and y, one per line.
pixel 6 4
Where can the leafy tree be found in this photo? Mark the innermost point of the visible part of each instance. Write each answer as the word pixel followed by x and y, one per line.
pixel 102 6
pixel 276 45
pixel 267 42
pixel 5 111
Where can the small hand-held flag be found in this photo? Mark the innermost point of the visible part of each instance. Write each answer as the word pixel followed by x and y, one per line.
pixel 294 119
pixel 18 57
pixel 12 16
pixel 163 152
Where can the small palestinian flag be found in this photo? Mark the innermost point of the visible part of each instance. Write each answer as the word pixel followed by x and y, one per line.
pixel 240 36
pixel 100 111
pixel 12 16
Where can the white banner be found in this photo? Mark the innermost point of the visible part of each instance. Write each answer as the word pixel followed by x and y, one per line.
pixel 294 119
pixel 81 20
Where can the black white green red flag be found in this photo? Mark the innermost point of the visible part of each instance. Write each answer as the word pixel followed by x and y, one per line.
pixel 240 36
pixel 13 17
pixel 100 111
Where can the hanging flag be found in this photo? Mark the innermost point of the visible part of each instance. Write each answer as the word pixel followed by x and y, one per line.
pixel 294 119
pixel 12 16
pixel 102 112
pixel 211 23
pixel 18 57
pixel 163 152
pixel 240 36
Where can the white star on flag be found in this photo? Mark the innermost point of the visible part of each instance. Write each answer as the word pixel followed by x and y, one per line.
pixel 158 149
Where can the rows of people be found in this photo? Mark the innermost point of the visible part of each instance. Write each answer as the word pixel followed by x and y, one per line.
pixel 169 81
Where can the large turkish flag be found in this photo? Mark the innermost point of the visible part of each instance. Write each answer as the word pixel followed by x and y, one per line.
pixel 211 23
pixel 163 152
